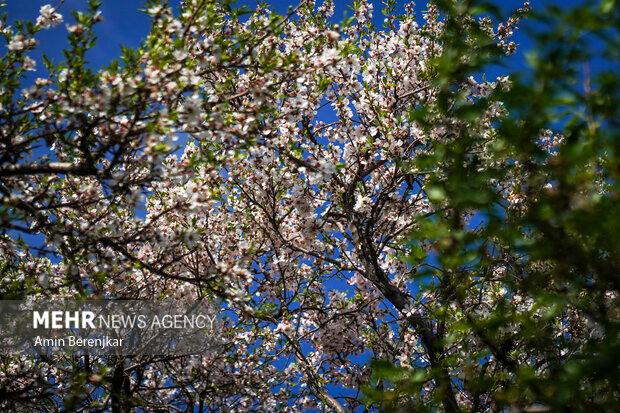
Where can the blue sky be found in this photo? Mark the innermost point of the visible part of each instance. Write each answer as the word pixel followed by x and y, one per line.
pixel 125 24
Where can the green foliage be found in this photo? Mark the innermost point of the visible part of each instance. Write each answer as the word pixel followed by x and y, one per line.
pixel 558 247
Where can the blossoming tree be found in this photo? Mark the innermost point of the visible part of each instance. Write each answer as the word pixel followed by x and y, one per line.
pixel 280 164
